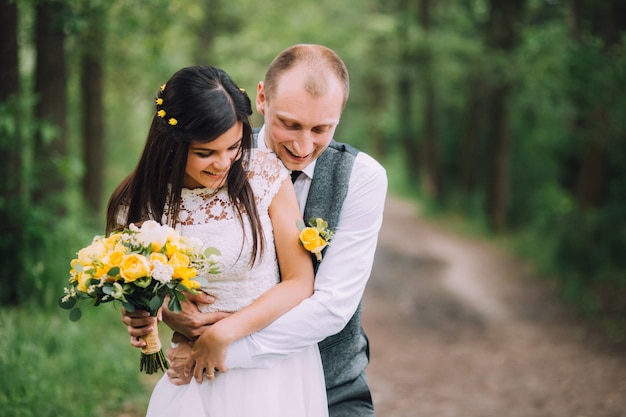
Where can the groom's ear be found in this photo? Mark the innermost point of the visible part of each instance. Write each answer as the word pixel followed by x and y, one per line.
pixel 260 98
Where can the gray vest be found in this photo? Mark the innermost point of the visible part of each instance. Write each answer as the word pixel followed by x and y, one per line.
pixel 345 354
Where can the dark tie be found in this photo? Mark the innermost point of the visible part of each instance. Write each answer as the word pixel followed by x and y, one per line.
pixel 295 175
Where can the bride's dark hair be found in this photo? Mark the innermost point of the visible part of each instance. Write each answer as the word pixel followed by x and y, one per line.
pixel 198 104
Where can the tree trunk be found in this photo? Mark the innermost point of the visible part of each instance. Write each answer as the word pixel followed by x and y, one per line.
pixel 592 175
pixel 431 172
pixel 9 71
pixel 11 244
pixel 51 89
pixel 375 101
pixel 93 113
pixel 606 20
pixel 408 138
pixel 217 19
pixel 469 161
pixel 502 35
pixel 498 170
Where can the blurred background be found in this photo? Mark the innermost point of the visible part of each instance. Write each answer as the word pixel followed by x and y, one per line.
pixel 505 118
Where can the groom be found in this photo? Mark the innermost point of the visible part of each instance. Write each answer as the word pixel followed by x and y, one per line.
pixel 301 98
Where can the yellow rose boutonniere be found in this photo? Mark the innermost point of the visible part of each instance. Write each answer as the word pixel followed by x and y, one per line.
pixel 315 237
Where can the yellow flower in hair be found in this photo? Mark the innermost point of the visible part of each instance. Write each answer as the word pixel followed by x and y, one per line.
pixel 243 90
pixel 159 101
pixel 161 113
pixel 162 87
pixel 173 121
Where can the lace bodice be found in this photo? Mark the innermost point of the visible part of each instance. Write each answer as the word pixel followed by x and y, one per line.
pixel 209 216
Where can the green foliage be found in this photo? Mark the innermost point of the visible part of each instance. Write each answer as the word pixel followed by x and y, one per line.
pixel 32 237
pixel 53 367
pixel 564 93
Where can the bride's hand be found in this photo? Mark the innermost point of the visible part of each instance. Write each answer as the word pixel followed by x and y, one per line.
pixel 139 323
pixel 208 355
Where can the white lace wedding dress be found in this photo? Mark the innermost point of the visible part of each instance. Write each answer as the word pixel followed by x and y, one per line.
pixel 293 388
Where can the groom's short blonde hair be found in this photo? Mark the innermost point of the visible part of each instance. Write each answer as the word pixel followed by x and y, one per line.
pixel 317 61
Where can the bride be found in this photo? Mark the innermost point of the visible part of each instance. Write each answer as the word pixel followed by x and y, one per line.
pixel 198 173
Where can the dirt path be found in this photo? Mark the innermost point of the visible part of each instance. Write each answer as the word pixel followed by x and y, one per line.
pixel 459 328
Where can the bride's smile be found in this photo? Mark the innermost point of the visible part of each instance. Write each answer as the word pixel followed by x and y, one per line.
pixel 208 163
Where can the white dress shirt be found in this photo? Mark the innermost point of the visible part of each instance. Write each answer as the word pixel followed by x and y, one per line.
pixel 341 278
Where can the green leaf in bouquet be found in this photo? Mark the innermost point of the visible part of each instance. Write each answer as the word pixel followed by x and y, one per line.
pixel 75 314
pixel 107 289
pixel 66 302
pixel 143 302
pixel 155 303
pixel 143 282
pixel 212 251
pixel 178 289
pixel 113 272
pixel 128 288
pixel 300 225
pixel 174 304
pixel 129 307
pixel 146 250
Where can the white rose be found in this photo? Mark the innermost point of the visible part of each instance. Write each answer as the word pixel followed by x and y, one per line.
pixel 153 233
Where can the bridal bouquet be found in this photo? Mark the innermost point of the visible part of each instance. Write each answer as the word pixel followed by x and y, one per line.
pixel 139 267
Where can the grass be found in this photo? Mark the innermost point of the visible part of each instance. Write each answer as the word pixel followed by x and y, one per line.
pixel 53 367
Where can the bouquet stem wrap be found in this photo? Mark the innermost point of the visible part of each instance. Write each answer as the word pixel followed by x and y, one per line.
pixel 153 359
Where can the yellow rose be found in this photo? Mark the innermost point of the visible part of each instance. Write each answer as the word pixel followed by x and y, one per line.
pixel 82 279
pixel 134 266
pixel 100 270
pixel 92 253
pixel 172 247
pixel 73 264
pixel 115 258
pixel 112 260
pixel 180 262
pixel 158 256
pixel 112 240
pixel 184 273
pixel 192 284
pixel 311 240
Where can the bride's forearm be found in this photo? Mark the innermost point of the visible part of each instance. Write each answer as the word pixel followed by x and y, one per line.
pixel 267 308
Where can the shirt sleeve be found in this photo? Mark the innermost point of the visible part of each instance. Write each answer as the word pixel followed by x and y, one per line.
pixel 340 280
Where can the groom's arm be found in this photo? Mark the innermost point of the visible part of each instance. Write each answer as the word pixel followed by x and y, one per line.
pixel 340 280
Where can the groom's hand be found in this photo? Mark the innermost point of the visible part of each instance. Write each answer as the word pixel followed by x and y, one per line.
pixel 177 357
pixel 190 321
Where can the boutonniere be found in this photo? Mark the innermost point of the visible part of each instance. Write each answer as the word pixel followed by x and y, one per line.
pixel 316 236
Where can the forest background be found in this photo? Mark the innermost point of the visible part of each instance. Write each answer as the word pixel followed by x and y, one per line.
pixel 502 117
